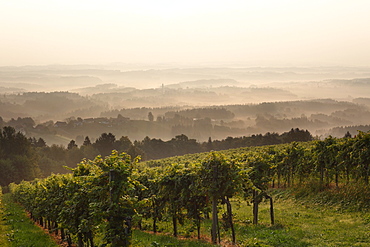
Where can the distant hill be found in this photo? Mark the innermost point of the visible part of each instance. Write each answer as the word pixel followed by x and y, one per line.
pixel 198 102
pixel 48 106
pixel 210 83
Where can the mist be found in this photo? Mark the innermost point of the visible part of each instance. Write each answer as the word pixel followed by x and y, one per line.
pixel 60 103
pixel 205 69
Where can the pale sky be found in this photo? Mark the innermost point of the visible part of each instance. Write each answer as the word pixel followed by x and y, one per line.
pixel 254 33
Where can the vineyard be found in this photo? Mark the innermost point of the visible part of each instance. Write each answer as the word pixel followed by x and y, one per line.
pixel 102 200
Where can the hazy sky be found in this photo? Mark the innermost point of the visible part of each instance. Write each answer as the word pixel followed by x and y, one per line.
pixel 254 33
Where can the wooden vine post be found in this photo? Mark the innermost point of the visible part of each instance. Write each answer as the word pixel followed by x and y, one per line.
pixel 214 231
pixel 272 215
pixel 255 206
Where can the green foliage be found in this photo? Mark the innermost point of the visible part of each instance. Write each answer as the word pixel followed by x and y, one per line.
pixel 85 199
pixel 115 192
pixel 220 177
pixel 18 161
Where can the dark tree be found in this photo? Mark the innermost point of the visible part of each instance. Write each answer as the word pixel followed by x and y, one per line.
pixel 150 116
pixel 13 143
pixel 134 152
pixel 209 144
pixel 105 143
pixel 71 144
pixel 348 135
pixel 18 161
pixel 297 135
pixel 40 143
pixel 87 141
pixel 124 143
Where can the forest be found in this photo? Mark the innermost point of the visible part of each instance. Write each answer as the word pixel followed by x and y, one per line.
pixel 320 117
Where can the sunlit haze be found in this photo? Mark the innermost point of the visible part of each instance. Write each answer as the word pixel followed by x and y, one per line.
pixel 253 33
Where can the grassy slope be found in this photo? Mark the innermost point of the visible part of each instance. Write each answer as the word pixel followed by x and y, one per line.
pixel 19 229
pixel 144 239
pixel 4 227
pixel 296 225
pixel 302 225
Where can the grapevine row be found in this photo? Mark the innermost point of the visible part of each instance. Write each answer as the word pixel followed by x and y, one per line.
pixel 109 195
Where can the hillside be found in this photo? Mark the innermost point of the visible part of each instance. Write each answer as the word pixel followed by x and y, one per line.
pixel 59 117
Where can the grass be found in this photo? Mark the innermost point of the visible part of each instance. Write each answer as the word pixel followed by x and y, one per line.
pixel 296 224
pixel 19 230
pixel 144 239
pixel 4 227
pixel 303 225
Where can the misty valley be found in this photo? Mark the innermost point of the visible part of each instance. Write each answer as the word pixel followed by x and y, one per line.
pixel 63 103
pixel 161 112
